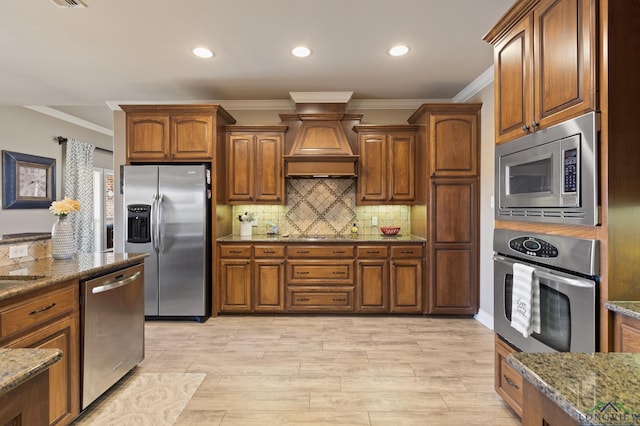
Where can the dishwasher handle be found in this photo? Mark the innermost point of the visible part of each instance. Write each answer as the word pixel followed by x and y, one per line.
pixel 115 284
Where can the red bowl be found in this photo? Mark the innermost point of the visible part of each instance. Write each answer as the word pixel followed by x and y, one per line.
pixel 390 230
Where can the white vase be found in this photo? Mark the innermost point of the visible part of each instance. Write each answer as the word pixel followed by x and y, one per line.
pixel 63 243
pixel 245 229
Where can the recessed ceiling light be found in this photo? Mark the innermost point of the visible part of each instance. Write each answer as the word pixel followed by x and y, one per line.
pixel 202 52
pixel 301 51
pixel 398 50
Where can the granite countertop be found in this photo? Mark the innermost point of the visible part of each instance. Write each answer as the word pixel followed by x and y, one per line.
pixel 629 308
pixel 595 389
pixel 49 271
pixel 19 365
pixel 24 237
pixel 360 238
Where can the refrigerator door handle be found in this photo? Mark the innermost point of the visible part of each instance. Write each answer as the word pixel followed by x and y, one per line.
pixel 154 223
pixel 159 222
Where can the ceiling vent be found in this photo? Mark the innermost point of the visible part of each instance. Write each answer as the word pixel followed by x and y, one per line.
pixel 69 4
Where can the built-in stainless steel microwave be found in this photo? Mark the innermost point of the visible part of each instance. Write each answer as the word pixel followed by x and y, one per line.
pixel 551 175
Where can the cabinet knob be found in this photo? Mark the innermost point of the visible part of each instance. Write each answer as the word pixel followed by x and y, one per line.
pixel 534 124
pixel 525 128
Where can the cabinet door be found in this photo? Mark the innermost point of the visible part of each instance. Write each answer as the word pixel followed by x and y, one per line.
pixel 192 137
pixel 235 285
pixel 626 333
pixel 269 182
pixel 64 379
pixel 372 174
pixel 453 142
pixel 373 286
pixel 453 283
pixel 541 410
pixel 513 63
pixel 268 285
pixel 240 168
pixel 564 59
pixel 148 137
pixel 402 161
pixel 406 286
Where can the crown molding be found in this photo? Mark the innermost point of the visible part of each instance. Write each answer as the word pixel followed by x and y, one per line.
pixel 321 97
pixel 52 112
pixel 482 81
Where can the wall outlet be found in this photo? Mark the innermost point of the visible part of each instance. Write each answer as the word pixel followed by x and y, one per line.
pixel 374 221
pixel 18 251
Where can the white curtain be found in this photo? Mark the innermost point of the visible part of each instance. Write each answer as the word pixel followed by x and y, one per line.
pixel 78 185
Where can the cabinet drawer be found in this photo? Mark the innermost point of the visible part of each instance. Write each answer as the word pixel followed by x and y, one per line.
pixel 373 252
pixel 313 252
pixel 235 251
pixel 37 311
pixel 406 251
pixel 268 251
pixel 508 383
pixel 336 272
pixel 321 299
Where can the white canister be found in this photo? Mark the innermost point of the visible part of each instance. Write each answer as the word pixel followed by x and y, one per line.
pixel 245 229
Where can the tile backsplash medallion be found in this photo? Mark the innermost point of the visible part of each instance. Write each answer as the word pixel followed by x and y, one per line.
pixel 324 207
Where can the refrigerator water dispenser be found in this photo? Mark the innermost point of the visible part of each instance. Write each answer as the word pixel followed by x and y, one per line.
pixel 139 223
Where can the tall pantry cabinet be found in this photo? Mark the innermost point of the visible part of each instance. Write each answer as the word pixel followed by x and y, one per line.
pixel 451 133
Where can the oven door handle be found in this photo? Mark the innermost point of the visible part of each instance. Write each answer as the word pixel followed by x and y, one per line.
pixel 547 275
pixel 564 280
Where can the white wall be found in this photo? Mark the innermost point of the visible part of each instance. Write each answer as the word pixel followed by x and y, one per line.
pixel 30 132
pixel 486 96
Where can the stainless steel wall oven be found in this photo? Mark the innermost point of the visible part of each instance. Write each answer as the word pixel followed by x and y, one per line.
pixel 567 270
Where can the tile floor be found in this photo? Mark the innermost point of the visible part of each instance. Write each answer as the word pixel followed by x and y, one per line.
pixel 331 370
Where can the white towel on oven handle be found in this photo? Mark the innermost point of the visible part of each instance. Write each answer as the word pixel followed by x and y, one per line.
pixel 525 300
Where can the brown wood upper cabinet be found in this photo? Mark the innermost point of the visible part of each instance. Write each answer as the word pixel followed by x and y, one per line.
pixel 387 164
pixel 545 65
pixel 254 161
pixel 160 133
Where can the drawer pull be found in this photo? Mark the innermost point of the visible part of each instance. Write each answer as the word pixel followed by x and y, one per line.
pixel 302 272
pixel 46 308
pixel 235 251
pixel 406 251
pixel 336 299
pixel 338 252
pixel 302 299
pixel 268 251
pixel 302 251
pixel 338 272
pixel 509 382
pixel 373 251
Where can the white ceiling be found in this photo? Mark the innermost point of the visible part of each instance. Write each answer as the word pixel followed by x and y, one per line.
pixel 139 51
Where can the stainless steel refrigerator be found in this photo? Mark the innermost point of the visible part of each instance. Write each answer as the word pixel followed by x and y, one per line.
pixel 166 216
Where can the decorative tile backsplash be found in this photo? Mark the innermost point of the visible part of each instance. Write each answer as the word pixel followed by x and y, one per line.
pixel 37 249
pixel 324 207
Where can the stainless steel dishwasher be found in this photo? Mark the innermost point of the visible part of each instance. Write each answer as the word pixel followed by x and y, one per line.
pixel 112 329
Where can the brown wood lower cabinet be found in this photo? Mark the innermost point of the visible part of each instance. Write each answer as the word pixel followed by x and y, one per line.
pixel 539 410
pixel 49 320
pixel 626 333
pixel 27 404
pixel 367 278
pixel 508 383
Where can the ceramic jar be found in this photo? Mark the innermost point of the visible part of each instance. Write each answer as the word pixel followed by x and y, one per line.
pixel 63 244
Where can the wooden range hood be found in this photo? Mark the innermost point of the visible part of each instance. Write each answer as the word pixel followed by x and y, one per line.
pixel 321 147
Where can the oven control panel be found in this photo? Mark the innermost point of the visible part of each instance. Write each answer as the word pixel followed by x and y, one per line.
pixel 533 246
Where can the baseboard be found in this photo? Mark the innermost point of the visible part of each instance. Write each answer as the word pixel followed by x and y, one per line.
pixel 484 318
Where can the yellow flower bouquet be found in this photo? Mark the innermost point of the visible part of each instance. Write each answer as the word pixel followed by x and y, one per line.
pixel 63 207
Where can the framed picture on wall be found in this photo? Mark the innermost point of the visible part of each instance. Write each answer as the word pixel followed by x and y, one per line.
pixel 28 181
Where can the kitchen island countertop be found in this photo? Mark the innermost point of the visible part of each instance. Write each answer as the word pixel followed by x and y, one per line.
pixel 19 365
pixel 592 388
pixel 48 271
pixel 629 308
